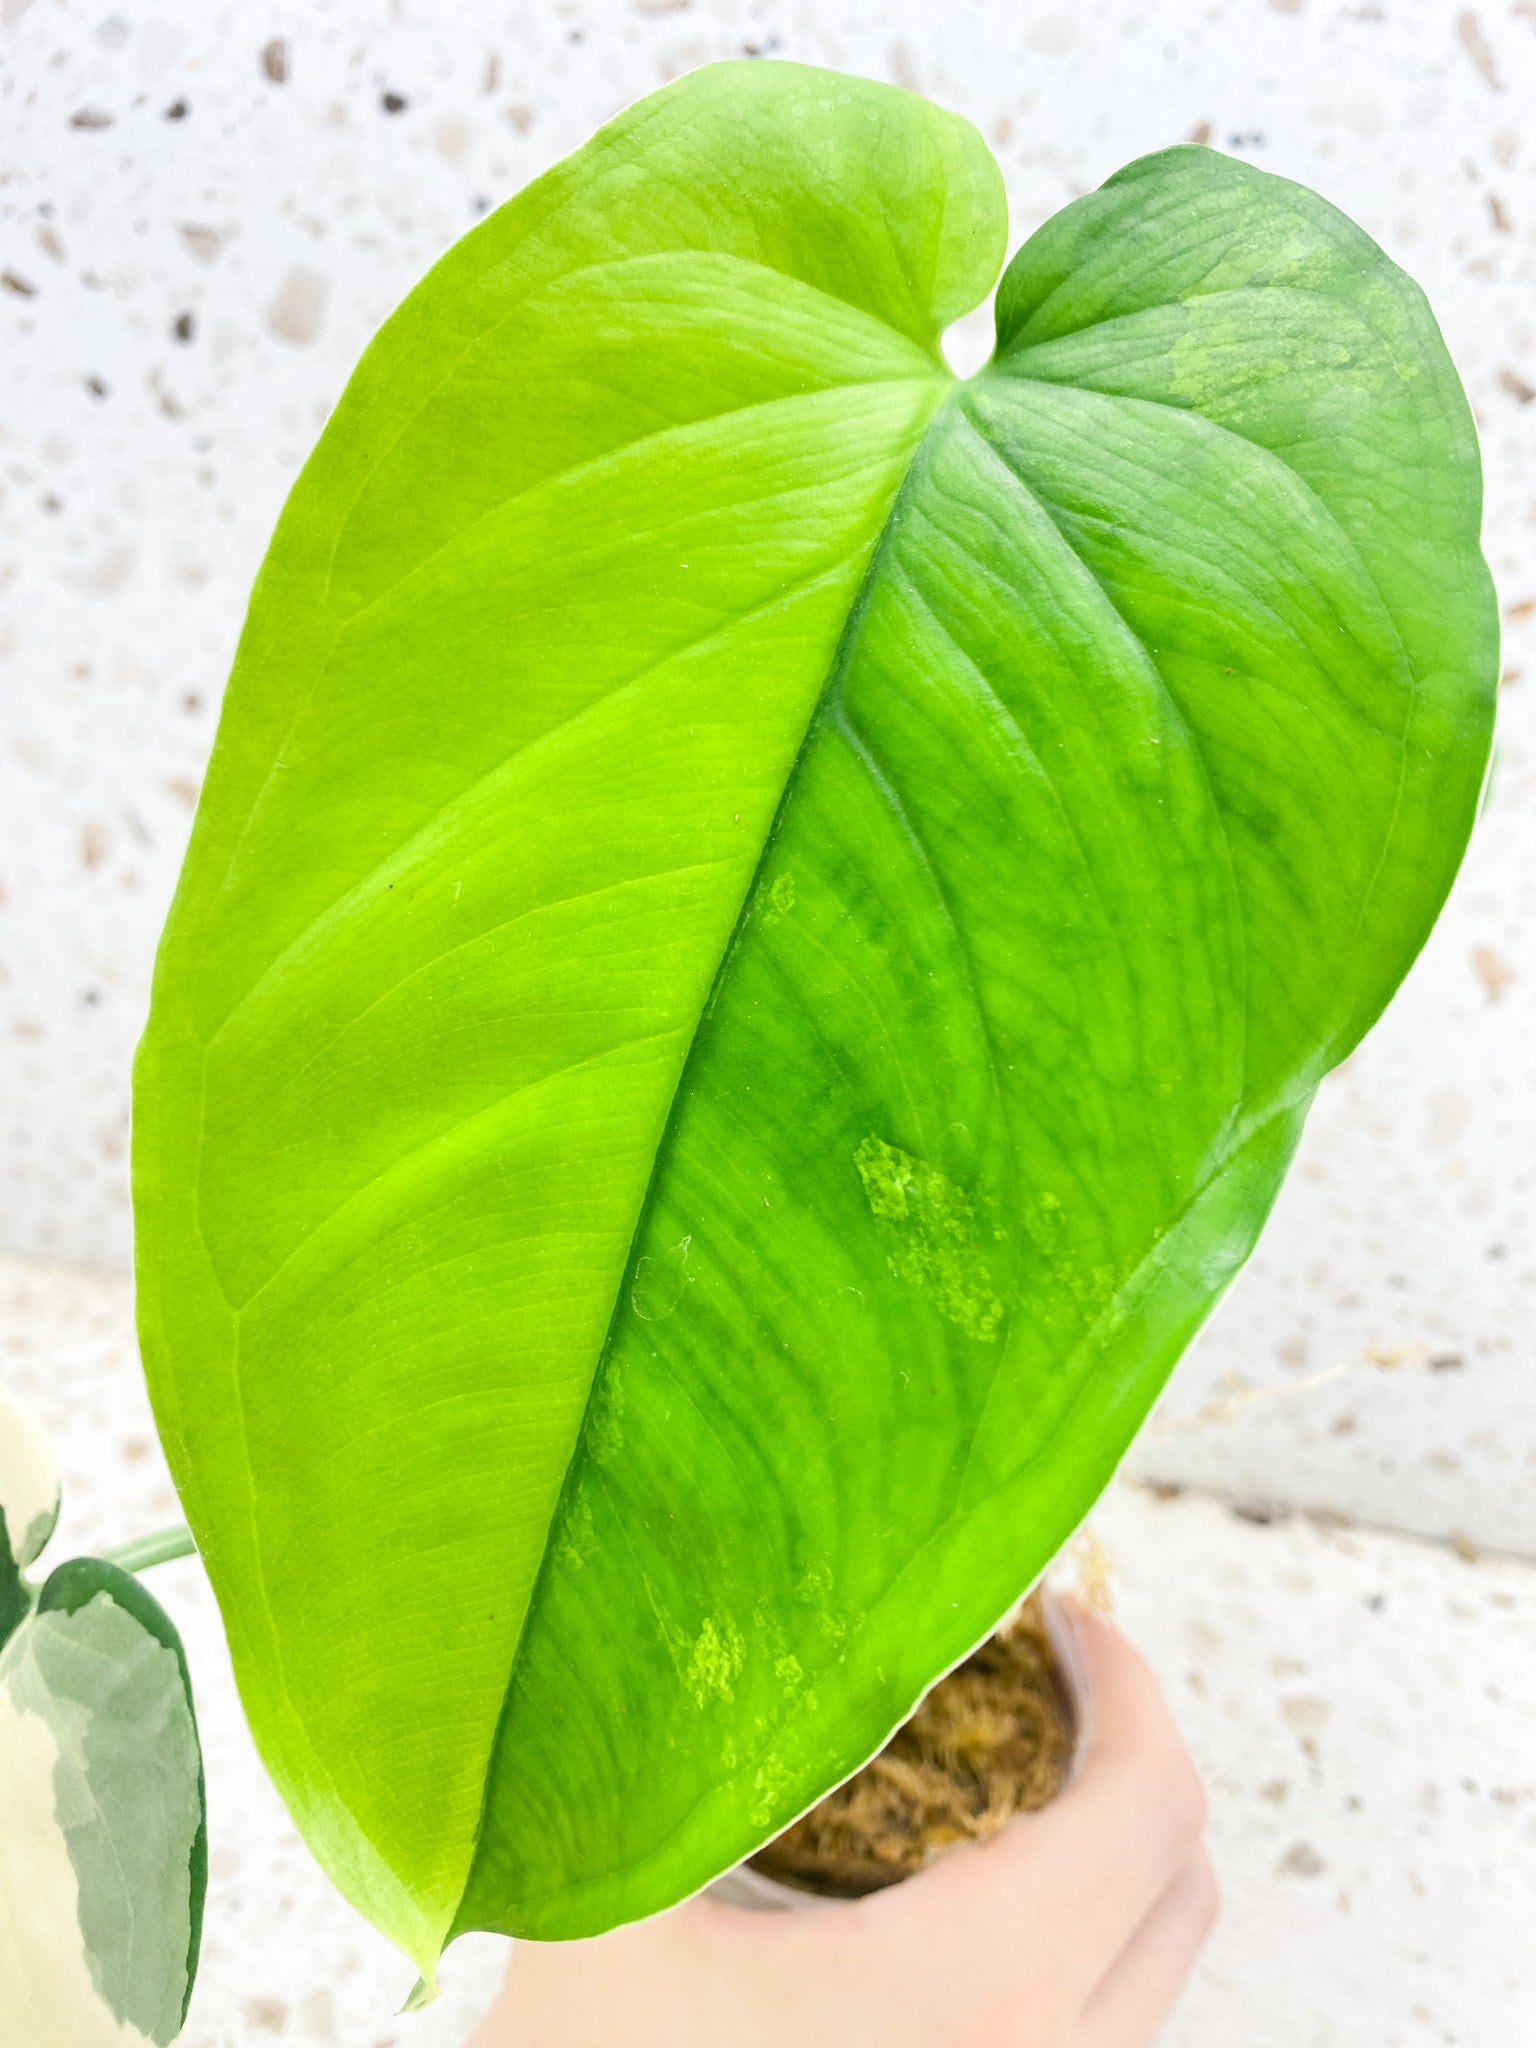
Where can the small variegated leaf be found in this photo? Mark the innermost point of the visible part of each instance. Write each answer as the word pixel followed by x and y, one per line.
pixel 29 1482
pixel 103 1849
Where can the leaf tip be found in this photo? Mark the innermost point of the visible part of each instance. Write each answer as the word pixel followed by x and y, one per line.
pixel 422 1994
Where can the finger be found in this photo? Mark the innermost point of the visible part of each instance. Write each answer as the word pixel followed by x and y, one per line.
pixel 659 1983
pixel 1106 1849
pixel 1146 1978
pixel 1127 1724
pixel 1136 1808
pixel 1075 1880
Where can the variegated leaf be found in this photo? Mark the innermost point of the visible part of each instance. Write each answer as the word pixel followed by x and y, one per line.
pixel 103 1852
pixel 29 1482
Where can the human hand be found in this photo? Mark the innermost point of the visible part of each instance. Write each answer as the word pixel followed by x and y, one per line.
pixel 1073 1927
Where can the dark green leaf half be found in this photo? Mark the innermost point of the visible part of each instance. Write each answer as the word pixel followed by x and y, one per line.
pixel 103 1845
pixel 757 941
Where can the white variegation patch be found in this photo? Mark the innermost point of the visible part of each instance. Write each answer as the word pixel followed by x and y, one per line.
pixel 29 1481
pixel 46 1989
pixel 99 1807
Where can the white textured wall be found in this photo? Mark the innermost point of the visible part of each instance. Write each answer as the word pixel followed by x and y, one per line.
pixel 198 232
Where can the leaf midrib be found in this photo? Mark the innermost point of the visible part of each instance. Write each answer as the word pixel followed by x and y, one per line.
pixel 1224 1143
pixel 1226 1147
pixel 949 395
pixel 952 399
pixel 338 629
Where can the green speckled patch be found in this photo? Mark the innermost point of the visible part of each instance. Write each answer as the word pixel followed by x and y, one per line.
pixel 931 1236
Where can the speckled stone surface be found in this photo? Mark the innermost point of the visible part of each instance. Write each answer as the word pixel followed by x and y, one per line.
pixel 205 211
pixel 1363 1709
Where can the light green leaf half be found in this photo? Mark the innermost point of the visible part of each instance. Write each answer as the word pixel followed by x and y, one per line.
pixel 757 940
pixel 29 1482
pixel 102 1847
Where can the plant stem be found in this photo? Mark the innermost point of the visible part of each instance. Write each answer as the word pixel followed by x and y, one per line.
pixel 144 1551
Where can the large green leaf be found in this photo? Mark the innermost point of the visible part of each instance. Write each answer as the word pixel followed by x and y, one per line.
pixel 103 1856
pixel 759 935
